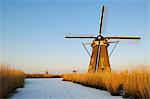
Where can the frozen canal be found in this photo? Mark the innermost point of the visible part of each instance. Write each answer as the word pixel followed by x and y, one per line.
pixel 55 88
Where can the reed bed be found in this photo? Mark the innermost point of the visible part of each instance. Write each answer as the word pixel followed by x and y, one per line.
pixel 43 75
pixel 133 84
pixel 10 80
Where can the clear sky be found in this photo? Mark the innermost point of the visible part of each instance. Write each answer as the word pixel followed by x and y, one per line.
pixel 33 31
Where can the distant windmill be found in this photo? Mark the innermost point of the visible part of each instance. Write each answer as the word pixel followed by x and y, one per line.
pixel 99 57
pixel 46 72
pixel 74 71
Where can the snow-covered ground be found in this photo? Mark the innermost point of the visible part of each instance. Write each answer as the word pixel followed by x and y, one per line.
pixel 55 88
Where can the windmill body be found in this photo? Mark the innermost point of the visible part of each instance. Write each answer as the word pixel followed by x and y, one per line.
pixel 102 64
pixel 99 61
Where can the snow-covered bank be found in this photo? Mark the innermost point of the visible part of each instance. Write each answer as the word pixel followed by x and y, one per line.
pixel 55 88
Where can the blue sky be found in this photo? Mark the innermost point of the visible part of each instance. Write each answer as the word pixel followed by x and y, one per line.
pixel 32 33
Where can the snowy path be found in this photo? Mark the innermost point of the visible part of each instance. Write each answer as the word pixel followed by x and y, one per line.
pixel 55 88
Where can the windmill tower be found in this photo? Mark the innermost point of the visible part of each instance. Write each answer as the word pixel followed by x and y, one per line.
pixel 99 59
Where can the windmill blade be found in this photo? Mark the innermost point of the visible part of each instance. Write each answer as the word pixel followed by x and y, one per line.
pixel 100 32
pixel 101 22
pixel 105 20
pixel 123 37
pixel 87 43
pixel 86 49
pixel 125 41
pixel 80 36
pixel 98 56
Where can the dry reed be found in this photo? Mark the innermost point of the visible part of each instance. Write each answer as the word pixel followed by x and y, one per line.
pixel 10 79
pixel 134 83
pixel 37 75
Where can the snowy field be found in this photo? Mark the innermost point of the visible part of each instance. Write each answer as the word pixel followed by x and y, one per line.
pixel 55 88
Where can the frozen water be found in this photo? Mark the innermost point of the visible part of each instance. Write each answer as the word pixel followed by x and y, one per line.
pixel 55 88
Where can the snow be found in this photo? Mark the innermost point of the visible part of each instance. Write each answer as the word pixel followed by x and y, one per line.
pixel 55 88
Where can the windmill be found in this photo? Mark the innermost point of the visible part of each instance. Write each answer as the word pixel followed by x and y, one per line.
pixel 99 58
pixel 74 71
pixel 46 72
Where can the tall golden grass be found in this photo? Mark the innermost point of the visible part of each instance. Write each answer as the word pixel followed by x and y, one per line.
pixel 37 75
pixel 10 79
pixel 134 83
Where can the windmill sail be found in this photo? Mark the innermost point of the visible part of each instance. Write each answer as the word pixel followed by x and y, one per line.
pixel 70 35
pixel 123 37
